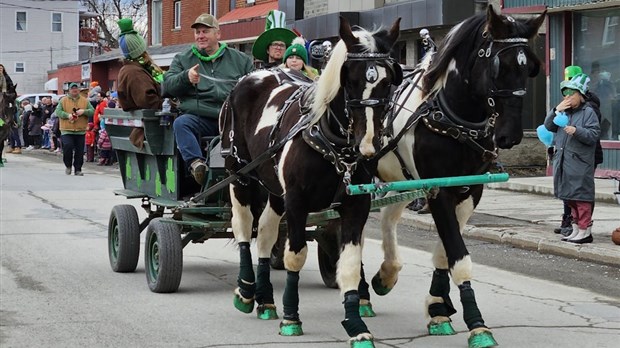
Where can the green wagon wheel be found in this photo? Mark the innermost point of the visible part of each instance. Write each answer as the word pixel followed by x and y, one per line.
pixel 163 256
pixel 123 238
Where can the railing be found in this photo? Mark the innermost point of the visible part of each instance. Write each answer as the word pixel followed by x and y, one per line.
pixel 88 35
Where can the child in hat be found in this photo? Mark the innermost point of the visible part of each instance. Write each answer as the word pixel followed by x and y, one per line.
pixel 296 58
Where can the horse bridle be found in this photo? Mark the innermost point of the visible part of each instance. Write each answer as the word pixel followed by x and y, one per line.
pixel 338 151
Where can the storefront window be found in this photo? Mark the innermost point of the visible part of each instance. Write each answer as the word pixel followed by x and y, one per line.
pixel 596 47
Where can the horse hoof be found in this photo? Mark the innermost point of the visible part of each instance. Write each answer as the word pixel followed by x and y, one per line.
pixel 266 312
pixel 482 339
pixel 441 329
pixel 291 329
pixel 363 344
pixel 242 304
pixel 366 311
pixel 378 287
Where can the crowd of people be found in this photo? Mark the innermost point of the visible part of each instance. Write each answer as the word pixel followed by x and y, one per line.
pixel 40 126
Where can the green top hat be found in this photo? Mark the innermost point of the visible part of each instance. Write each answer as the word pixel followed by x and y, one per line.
pixel 572 71
pixel 259 50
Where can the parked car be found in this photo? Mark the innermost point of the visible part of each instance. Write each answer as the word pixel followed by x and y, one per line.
pixel 36 98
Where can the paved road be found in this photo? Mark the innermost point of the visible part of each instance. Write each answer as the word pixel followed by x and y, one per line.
pixel 57 289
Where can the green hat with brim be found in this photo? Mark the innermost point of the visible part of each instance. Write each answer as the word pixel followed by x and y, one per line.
pixel 73 85
pixel 579 82
pixel 259 50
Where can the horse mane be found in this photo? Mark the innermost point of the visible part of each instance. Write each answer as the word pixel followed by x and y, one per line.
pixel 466 35
pixel 329 81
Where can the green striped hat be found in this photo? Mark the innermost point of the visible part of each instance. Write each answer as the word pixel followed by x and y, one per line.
pixel 579 83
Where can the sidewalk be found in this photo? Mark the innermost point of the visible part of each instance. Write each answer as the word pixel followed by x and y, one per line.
pixel 523 213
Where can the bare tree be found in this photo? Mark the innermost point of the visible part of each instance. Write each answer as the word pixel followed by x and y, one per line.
pixel 110 11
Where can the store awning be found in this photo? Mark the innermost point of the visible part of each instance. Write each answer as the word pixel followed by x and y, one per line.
pixel 245 13
pixel 51 84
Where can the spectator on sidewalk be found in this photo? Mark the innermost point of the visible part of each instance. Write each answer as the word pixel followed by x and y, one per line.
pixel 34 127
pixel 73 111
pixel 89 140
pixel 593 101
pixel 573 161
pixel 105 148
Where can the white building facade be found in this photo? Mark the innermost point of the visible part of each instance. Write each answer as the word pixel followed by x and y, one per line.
pixel 36 36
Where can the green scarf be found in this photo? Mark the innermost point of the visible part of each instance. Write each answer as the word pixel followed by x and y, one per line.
pixel 211 57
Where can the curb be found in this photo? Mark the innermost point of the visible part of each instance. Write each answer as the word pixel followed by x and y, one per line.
pixel 527 238
pixel 602 197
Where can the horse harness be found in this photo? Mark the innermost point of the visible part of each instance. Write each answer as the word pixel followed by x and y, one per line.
pixel 439 118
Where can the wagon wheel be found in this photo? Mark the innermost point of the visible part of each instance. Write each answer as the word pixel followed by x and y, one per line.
pixel 277 252
pixel 123 238
pixel 328 253
pixel 163 256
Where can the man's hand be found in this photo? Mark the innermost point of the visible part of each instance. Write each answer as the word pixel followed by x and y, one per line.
pixel 193 75
pixel 80 112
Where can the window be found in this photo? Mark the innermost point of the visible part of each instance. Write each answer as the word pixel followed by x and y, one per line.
pixel 177 14
pixel 156 22
pixel 20 21
pixel 584 23
pixel 20 67
pixel 609 34
pixel 56 22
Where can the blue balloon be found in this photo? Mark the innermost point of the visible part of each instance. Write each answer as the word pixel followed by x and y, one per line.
pixel 561 119
pixel 545 136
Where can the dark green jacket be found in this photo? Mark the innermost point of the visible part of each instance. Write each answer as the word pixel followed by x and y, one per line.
pixel 206 98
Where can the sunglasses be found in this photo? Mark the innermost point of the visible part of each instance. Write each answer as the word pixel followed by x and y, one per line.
pixel 568 92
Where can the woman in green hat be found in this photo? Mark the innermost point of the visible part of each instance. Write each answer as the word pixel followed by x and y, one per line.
pixel 139 80
pixel 296 58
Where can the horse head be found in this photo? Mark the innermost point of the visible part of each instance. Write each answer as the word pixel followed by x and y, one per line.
pixel 487 85
pixel 356 83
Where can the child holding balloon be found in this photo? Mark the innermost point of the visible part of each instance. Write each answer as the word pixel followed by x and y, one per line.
pixel 577 130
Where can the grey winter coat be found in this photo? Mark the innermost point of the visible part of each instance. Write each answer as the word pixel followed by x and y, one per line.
pixel 573 162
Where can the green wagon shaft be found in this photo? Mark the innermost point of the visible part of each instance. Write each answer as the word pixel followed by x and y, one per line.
pixel 426 184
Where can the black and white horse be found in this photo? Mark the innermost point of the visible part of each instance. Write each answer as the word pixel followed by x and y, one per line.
pixel 7 116
pixel 468 103
pixel 308 141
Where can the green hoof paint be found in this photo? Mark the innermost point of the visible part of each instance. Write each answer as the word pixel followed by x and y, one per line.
pixel 366 311
pixel 483 339
pixel 441 329
pixel 378 287
pixel 243 306
pixel 362 344
pixel 291 329
pixel 266 312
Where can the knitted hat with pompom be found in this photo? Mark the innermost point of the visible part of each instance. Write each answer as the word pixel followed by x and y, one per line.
pixel 132 45
pixel 297 48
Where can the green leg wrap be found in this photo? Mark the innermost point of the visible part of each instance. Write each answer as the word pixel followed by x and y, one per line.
pixel 378 287
pixel 264 289
pixel 246 284
pixel 471 313
pixel 353 323
pixel 482 339
pixel 290 299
